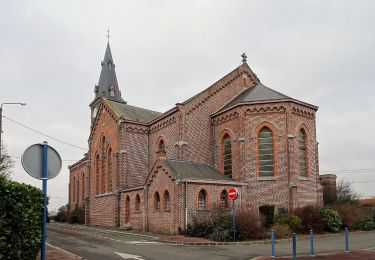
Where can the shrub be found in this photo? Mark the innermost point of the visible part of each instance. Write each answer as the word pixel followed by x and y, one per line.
pixel 366 224
pixel 281 230
pixel 331 219
pixel 268 213
pixel 76 216
pixel 293 221
pixel 218 226
pixel 249 226
pixel 311 218
pixel 21 208
pixel 350 214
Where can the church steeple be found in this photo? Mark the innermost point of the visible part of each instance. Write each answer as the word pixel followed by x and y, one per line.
pixel 108 86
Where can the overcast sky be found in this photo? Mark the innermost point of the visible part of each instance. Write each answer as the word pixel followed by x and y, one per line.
pixel 320 52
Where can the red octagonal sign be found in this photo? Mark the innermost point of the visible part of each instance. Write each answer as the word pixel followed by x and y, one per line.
pixel 232 193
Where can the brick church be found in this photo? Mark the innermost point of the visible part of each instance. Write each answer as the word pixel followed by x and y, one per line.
pixel 156 171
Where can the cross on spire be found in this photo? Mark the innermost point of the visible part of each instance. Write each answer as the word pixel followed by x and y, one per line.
pixel 244 57
pixel 108 34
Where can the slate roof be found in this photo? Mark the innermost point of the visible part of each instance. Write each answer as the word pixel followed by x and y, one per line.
pixel 132 113
pixel 256 93
pixel 108 78
pixel 194 170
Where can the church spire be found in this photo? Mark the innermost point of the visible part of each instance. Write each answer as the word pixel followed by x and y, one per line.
pixel 108 86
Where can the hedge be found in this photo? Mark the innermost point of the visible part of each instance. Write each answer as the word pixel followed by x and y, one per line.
pixel 21 208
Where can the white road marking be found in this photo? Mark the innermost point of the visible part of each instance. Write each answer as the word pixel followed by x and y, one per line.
pixel 372 249
pixel 140 242
pixel 129 256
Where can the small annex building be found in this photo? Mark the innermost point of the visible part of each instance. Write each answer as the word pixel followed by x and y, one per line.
pixel 156 171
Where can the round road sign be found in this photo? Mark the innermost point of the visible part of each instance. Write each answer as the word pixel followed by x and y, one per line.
pixel 32 161
pixel 232 193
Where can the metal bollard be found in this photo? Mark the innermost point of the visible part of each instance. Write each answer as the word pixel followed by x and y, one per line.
pixel 311 242
pixel 273 243
pixel 346 240
pixel 294 246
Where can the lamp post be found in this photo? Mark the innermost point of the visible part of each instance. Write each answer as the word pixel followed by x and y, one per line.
pixel 1 117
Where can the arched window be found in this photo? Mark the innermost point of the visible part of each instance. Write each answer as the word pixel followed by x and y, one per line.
pixel 202 203
pixel 97 174
pixel 161 147
pixel 127 209
pixel 74 189
pixel 104 156
pixel 157 201
pixel 224 200
pixel 166 201
pixel 137 203
pixel 302 153
pixel 227 155
pixel 83 186
pixel 77 194
pixel 110 169
pixel 266 165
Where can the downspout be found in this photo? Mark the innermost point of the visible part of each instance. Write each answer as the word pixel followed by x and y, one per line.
pixel 185 205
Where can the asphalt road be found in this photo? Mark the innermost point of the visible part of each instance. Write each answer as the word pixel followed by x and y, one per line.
pixel 98 243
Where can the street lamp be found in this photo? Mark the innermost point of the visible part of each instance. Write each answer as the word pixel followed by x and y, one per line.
pixel 1 117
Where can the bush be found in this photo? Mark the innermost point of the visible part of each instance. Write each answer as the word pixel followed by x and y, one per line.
pixel 293 221
pixel 350 214
pixel 62 215
pixel 218 226
pixel 76 216
pixel 311 218
pixel 21 208
pixel 366 224
pixel 281 230
pixel 249 226
pixel 268 213
pixel 331 219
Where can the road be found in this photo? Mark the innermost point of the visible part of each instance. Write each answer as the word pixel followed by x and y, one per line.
pixel 99 243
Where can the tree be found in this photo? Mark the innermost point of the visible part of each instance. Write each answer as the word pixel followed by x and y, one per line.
pixel 346 192
pixel 6 164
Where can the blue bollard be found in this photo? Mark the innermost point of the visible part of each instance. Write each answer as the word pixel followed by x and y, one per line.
pixel 294 246
pixel 346 240
pixel 311 242
pixel 273 243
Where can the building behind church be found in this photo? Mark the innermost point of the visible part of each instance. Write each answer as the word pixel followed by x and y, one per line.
pixel 155 171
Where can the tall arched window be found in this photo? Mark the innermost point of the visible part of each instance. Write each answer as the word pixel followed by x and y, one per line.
pixel 77 194
pixel 127 209
pixel 227 155
pixel 97 174
pixel 104 157
pixel 157 201
pixel 137 203
pixel 83 186
pixel 266 165
pixel 202 197
pixel 302 153
pixel 224 200
pixel 74 189
pixel 166 201
pixel 110 169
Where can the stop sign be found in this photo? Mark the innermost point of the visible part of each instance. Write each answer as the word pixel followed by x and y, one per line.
pixel 232 193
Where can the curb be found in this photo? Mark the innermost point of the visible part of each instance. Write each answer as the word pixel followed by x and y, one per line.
pixel 65 252
pixel 245 243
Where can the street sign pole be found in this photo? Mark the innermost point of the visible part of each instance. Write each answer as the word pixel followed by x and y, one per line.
pixel 234 220
pixel 42 162
pixel 44 179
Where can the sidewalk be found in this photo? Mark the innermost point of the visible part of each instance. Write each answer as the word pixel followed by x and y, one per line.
pixel 56 253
